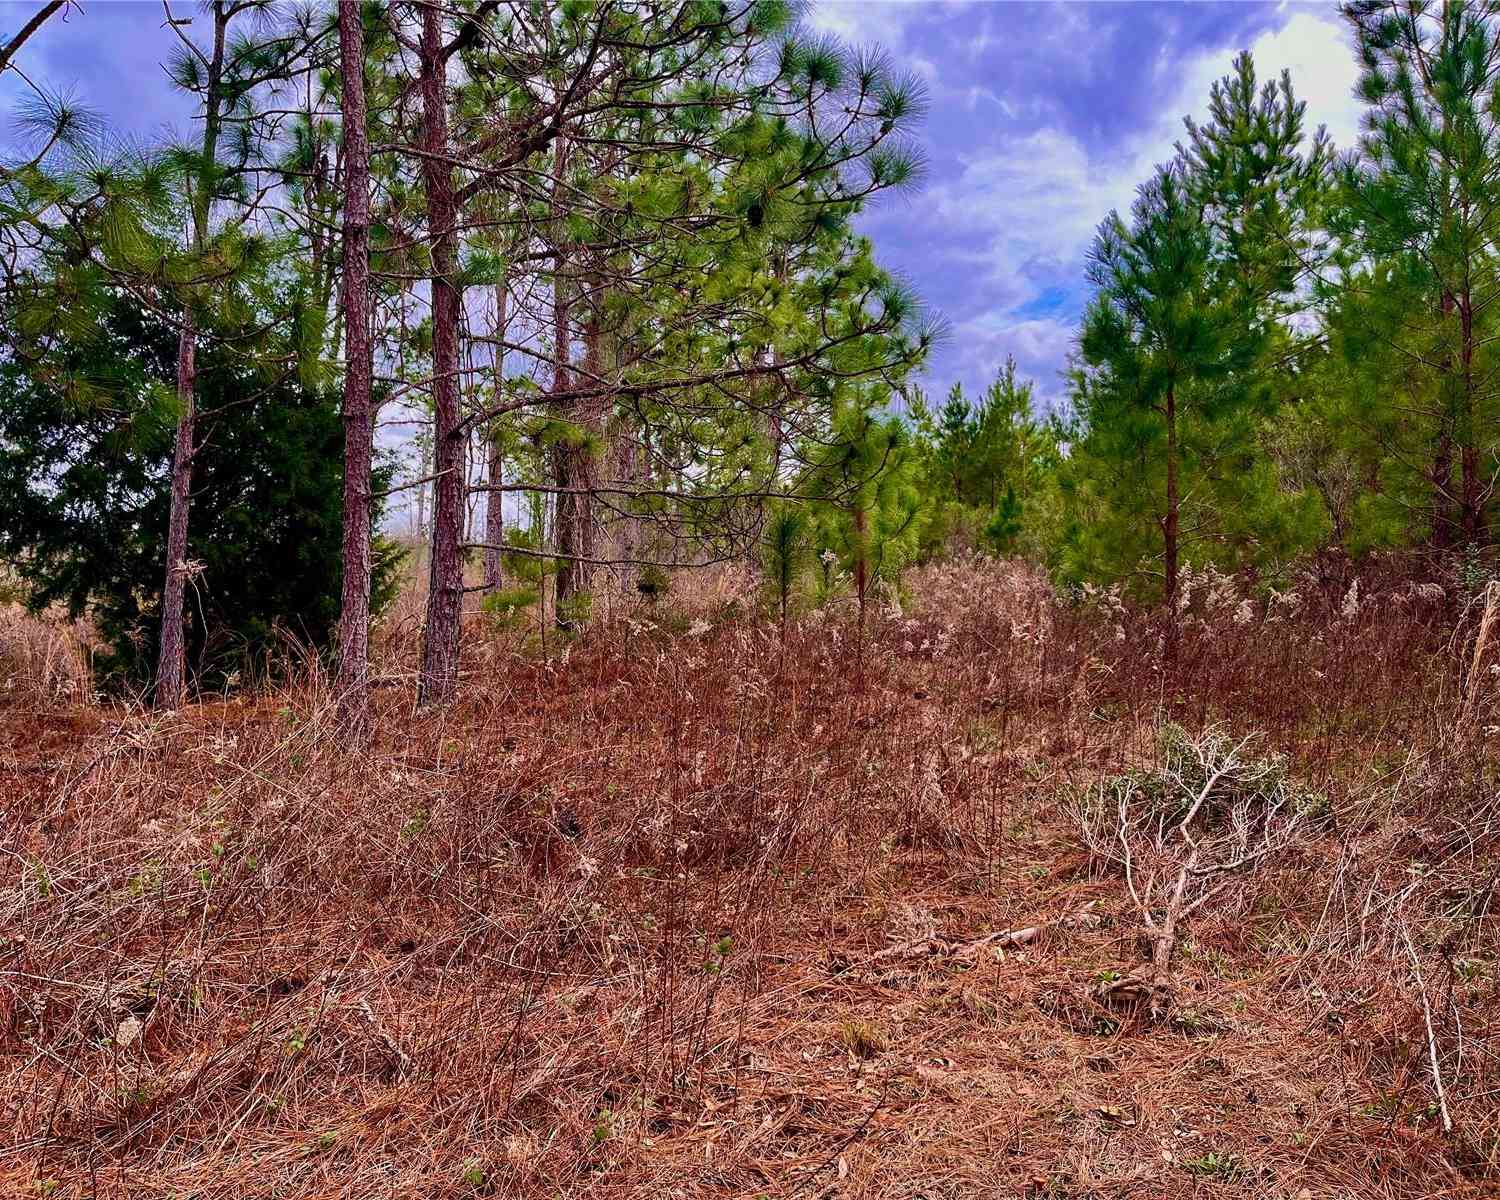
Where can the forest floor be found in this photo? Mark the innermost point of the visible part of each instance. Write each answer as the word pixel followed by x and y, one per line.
pixel 676 911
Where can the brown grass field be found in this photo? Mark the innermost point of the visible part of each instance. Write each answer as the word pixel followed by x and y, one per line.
pixel 676 911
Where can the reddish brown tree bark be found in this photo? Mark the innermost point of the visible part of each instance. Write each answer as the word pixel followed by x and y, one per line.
pixel 494 512
pixel 1471 495
pixel 1170 522
pixel 171 667
pixel 440 644
pixel 1445 508
pixel 352 684
pixel 625 454
pixel 565 523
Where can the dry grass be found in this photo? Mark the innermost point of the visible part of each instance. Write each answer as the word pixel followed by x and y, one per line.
pixel 41 660
pixel 613 925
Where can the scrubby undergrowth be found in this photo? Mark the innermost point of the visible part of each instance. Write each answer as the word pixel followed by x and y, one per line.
pixel 673 912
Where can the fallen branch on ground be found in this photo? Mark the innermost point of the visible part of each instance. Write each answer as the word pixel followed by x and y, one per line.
pixel 939 947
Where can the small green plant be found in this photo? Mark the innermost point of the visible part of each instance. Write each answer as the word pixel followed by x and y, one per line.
pixel 473 1173
pixel 718 954
pixel 38 877
pixel 415 824
pixel 785 552
pixel 604 1127
pixel 136 1097
pixel 1214 1165
pixel 1382 1108
pixel 1469 969
pixel 574 612
pixel 507 609
pixel 148 879
pixel 1474 573
pixel 1192 1022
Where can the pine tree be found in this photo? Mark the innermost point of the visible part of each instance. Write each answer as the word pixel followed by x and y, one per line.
pixel 1260 182
pixel 869 509
pixel 86 454
pixel 1165 351
pixel 694 237
pixel 985 462
pixel 1422 195
pixel 353 680
pixel 785 550
pixel 225 75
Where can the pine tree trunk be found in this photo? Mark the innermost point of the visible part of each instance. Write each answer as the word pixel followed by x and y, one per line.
pixel 565 524
pixel 1169 525
pixel 776 406
pixel 494 517
pixel 584 464
pixel 440 645
pixel 1446 513
pixel 494 510
pixel 171 684
pixel 1471 518
pixel 861 563
pixel 1444 516
pixel 171 667
pixel 574 465
pixel 624 454
pixel 352 684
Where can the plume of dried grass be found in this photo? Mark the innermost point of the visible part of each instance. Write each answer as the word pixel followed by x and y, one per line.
pixel 43 660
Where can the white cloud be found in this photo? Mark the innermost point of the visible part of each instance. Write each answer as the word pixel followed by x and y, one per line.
pixel 865 22
pixel 1040 346
pixel 1031 202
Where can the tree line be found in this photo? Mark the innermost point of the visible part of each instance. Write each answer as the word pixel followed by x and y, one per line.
pixel 602 251
pixel 1289 347
pixel 600 262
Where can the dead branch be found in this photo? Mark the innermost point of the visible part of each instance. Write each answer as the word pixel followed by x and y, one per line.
pixel 939 947
pixel 1181 837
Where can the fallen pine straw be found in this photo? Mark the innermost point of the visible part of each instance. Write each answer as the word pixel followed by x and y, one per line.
pixel 605 928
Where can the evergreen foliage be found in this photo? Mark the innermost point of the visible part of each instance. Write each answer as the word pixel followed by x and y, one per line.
pixel 85 479
pixel 785 554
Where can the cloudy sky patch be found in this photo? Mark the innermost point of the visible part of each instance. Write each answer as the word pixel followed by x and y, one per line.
pixel 1043 118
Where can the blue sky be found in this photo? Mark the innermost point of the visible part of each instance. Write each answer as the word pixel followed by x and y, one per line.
pixel 1042 118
